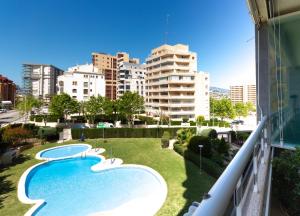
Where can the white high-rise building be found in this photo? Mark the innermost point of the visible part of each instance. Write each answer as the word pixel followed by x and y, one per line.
pixel 131 77
pixel 81 82
pixel 174 88
pixel 40 80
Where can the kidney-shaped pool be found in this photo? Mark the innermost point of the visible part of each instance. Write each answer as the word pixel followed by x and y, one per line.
pixel 70 187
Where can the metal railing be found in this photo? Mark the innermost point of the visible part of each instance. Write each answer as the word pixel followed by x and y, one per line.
pixel 227 195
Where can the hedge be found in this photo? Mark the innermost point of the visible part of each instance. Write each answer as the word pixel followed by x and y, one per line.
pixel 209 166
pixel 40 118
pixel 48 133
pixel 175 123
pixel 93 133
pixel 211 133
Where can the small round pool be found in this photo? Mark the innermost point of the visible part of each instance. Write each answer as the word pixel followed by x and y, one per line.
pixel 62 151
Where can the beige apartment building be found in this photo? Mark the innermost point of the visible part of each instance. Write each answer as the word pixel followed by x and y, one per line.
pixel 174 88
pixel 243 93
pixel 109 66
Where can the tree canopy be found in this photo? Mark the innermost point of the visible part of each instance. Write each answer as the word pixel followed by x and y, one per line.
pixel 131 103
pixel 241 109
pixel 63 104
pixel 28 103
pixel 94 106
pixel 222 108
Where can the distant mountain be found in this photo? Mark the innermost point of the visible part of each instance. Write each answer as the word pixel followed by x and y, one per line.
pixel 219 90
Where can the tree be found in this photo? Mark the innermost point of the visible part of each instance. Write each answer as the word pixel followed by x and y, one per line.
pixel 131 103
pixel 28 103
pixel 62 105
pixel 222 108
pixel 250 106
pixel 241 110
pixel 94 107
pixel 200 119
pixel 111 108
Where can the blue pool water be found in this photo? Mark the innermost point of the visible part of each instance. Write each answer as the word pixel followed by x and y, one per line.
pixel 70 187
pixel 64 151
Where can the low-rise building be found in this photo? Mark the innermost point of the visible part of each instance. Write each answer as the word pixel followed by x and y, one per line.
pixel 131 77
pixel 7 90
pixel 81 82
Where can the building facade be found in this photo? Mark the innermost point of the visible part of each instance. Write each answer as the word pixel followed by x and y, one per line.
pixel 131 77
pixel 109 66
pixel 40 80
pixel 243 94
pixel 173 86
pixel 7 90
pixel 81 82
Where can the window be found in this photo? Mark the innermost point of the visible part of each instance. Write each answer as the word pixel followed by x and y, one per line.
pixel 85 84
pixel 85 91
pixel 74 90
pixel 91 90
pixel 74 83
pixel 74 97
pixel 91 83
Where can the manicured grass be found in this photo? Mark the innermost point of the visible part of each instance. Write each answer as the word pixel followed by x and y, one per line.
pixel 185 184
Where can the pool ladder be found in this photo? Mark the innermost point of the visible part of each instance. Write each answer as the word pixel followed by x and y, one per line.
pixel 83 155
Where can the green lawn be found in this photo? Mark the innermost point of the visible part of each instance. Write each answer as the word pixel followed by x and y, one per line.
pixel 185 184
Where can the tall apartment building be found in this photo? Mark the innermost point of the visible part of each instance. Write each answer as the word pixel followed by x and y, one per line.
pixel 173 86
pixel 40 80
pixel 109 65
pixel 81 82
pixel 243 93
pixel 7 89
pixel 131 77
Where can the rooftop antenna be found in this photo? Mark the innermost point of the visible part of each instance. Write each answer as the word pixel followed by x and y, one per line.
pixel 166 32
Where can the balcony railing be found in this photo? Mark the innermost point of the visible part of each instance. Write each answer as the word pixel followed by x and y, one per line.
pixel 244 173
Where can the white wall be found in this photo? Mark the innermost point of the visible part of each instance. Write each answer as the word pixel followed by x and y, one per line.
pixel 202 95
pixel 76 82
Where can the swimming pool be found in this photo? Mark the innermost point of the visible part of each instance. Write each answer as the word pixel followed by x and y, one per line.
pixel 70 187
pixel 63 151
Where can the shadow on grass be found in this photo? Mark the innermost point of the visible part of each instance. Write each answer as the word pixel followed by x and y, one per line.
pixel 196 185
pixel 6 186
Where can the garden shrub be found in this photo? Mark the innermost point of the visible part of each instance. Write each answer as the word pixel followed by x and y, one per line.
pixel 242 136
pixel 33 128
pixel 165 139
pixel 48 133
pixel 286 180
pixel 15 136
pixel 210 167
pixel 184 135
pixel 192 123
pixel 211 133
pixel 223 147
pixel 194 143
pixel 175 123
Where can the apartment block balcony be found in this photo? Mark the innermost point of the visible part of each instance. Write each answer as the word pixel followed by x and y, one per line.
pixel 180 89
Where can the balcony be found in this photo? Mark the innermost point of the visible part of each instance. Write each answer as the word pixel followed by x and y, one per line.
pixel 244 184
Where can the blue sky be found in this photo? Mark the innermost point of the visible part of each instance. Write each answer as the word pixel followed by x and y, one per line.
pixel 65 32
